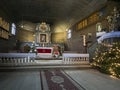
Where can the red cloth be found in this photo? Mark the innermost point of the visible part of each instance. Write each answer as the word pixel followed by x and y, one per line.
pixel 44 50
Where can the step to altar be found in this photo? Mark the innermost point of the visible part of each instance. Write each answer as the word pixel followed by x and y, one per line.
pixel 46 66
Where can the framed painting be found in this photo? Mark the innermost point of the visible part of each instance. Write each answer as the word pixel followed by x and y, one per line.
pixel 43 37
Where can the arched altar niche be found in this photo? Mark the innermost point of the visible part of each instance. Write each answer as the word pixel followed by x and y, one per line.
pixel 42 34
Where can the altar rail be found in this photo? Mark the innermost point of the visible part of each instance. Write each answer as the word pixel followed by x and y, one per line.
pixel 75 58
pixel 16 58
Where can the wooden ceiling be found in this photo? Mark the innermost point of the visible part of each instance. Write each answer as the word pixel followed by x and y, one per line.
pixel 51 11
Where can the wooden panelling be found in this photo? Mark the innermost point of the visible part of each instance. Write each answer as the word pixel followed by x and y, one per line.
pixel 24 35
pixel 58 37
pixel 4 29
pixel 87 21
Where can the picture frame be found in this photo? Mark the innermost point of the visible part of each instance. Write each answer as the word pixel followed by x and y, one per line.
pixel 43 38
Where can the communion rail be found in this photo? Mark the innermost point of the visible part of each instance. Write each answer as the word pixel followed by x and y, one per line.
pixel 16 58
pixel 75 58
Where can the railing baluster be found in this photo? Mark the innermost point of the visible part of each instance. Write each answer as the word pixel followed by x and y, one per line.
pixel 16 58
pixel 75 58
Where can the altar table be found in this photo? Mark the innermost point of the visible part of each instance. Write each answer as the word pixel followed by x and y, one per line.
pixel 44 51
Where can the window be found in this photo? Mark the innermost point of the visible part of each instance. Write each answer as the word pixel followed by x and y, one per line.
pixel 69 34
pixel 99 30
pixel 13 29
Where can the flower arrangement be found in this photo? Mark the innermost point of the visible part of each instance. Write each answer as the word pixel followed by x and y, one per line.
pixel 56 52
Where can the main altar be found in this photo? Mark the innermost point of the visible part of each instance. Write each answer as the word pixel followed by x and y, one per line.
pixel 42 40
pixel 43 46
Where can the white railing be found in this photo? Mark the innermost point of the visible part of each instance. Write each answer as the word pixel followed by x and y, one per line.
pixel 75 58
pixel 16 58
pixel 26 58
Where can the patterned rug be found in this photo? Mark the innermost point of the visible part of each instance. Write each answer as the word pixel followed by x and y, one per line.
pixel 58 80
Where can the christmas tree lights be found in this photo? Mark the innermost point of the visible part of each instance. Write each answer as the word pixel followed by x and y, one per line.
pixel 108 60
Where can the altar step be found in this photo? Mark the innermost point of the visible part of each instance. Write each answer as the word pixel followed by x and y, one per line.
pixel 46 66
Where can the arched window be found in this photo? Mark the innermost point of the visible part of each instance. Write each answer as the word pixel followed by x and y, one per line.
pixel 13 29
pixel 69 34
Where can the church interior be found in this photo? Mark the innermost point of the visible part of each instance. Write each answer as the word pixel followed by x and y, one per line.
pixel 59 44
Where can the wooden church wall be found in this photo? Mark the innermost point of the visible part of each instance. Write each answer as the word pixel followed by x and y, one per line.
pixel 6 44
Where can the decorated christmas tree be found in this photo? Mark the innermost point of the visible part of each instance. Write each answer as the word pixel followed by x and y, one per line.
pixel 107 59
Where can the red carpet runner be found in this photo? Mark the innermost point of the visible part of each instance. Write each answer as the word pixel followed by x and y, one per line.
pixel 58 80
